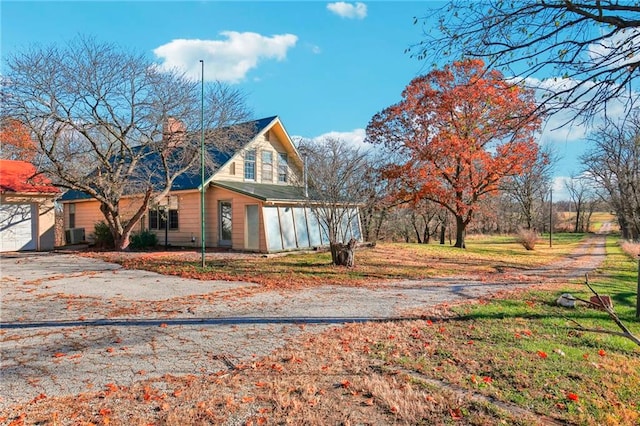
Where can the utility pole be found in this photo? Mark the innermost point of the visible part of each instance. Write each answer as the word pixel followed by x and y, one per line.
pixel 202 188
pixel 550 217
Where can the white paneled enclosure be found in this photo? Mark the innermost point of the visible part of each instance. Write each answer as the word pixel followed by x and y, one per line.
pixel 291 228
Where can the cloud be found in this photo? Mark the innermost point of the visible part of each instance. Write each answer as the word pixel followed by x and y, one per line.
pixel 347 10
pixel 618 50
pixel 355 138
pixel 227 60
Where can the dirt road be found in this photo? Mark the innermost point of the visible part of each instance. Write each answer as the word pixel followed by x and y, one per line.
pixel 70 324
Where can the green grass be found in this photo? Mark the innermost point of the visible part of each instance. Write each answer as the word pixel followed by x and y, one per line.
pixel 534 355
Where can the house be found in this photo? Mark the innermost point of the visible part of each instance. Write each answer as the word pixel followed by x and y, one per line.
pixel 255 200
pixel 27 213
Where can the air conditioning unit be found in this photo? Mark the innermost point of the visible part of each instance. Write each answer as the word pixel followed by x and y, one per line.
pixel 74 235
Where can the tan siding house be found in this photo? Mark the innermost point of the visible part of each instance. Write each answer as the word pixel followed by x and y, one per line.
pixel 254 201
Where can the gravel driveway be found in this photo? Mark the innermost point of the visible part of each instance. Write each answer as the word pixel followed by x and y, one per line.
pixel 70 324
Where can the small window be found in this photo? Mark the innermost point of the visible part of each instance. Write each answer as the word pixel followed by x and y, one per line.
pixel 72 215
pixel 267 166
pixel 250 165
pixel 158 218
pixel 283 167
pixel 232 168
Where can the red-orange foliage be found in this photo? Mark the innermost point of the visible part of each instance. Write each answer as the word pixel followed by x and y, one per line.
pixel 456 134
pixel 16 141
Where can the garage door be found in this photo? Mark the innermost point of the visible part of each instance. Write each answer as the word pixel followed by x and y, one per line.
pixel 17 229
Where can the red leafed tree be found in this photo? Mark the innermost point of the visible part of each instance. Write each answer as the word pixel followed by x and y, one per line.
pixel 456 133
pixel 15 141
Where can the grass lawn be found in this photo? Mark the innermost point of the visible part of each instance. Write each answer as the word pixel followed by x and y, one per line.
pixel 483 256
pixel 516 359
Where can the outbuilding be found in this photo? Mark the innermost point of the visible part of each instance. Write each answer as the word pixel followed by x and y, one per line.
pixel 27 210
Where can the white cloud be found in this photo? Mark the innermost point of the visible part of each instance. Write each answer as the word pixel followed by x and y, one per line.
pixel 226 60
pixel 354 138
pixel 618 50
pixel 347 10
pixel 559 188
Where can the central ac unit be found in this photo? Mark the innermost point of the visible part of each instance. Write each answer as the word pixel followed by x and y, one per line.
pixel 74 235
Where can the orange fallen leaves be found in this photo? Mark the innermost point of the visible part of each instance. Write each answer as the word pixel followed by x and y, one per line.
pixel 40 397
pixel 455 413
pixel 18 421
pixel 542 354
pixel 572 396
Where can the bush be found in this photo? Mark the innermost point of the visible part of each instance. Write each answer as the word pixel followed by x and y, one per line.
pixel 143 240
pixel 102 236
pixel 528 238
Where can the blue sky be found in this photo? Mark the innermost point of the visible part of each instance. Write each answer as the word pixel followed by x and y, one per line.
pixel 324 68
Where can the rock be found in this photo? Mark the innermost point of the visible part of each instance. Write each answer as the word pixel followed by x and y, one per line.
pixel 605 299
pixel 566 300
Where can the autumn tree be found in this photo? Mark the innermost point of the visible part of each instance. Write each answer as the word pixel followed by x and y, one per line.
pixel 337 189
pixel 109 123
pixel 15 141
pixel 586 50
pixel 457 133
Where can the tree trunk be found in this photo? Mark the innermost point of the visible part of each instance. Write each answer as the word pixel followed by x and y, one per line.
pixel 460 227
pixel 343 254
pixel 443 234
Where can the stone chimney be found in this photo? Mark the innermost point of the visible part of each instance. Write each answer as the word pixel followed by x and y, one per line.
pixel 174 132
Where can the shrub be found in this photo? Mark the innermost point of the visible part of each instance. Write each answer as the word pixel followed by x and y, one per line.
pixel 528 238
pixel 143 240
pixel 102 236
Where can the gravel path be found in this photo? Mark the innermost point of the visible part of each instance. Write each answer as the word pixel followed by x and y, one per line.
pixel 70 324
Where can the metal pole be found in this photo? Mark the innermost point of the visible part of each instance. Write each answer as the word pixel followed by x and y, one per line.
pixel 638 291
pixel 550 217
pixel 202 189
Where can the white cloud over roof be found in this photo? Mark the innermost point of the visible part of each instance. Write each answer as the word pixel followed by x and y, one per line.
pixel 354 138
pixel 227 60
pixel 347 10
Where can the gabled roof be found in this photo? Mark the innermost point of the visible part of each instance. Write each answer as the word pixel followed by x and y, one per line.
pixel 192 179
pixel 22 177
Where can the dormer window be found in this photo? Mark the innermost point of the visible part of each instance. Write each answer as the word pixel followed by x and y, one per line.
pixel 250 165
pixel 283 167
pixel 267 166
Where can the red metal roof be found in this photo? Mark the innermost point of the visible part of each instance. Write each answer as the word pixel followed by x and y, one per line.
pixel 20 177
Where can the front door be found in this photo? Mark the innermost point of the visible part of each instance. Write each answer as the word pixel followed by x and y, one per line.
pixel 225 224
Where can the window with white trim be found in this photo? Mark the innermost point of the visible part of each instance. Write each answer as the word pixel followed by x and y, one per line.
pixel 283 167
pixel 267 166
pixel 250 165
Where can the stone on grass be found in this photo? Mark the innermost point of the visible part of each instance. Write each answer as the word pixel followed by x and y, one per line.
pixel 566 300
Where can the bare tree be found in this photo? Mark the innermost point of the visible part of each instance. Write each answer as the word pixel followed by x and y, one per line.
pixel 110 124
pixel 614 164
pixel 528 189
pixel 582 198
pixel 337 180
pixel 376 205
pixel 589 48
